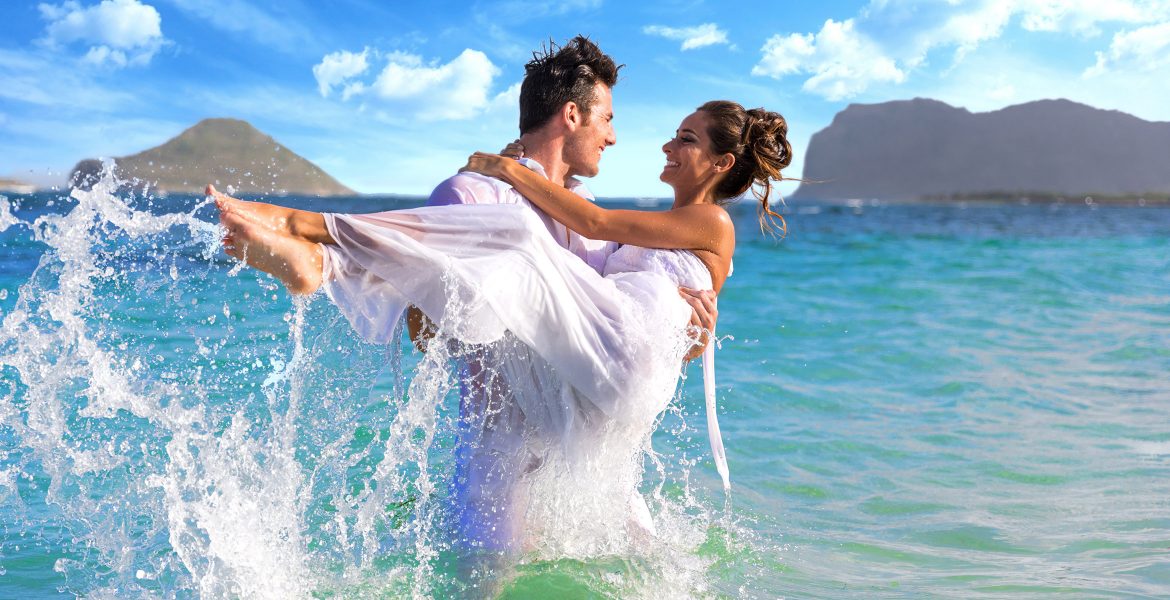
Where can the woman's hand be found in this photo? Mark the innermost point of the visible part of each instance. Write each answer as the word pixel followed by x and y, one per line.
pixel 492 165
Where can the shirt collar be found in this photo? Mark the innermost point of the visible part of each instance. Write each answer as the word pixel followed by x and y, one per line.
pixel 571 183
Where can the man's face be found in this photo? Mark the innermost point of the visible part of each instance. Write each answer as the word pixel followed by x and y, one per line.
pixel 584 146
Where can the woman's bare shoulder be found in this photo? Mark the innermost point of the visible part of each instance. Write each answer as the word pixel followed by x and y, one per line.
pixel 710 215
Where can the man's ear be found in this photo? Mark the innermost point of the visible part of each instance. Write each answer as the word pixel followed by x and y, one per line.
pixel 571 115
pixel 725 162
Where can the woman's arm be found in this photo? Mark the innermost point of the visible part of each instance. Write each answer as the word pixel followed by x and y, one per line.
pixel 695 227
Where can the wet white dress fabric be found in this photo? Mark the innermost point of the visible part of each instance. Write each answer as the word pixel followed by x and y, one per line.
pixel 586 361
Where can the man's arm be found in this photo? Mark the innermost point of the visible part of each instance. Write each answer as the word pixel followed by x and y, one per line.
pixel 453 190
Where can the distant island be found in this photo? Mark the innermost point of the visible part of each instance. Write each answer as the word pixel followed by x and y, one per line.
pixel 15 186
pixel 1044 151
pixel 226 152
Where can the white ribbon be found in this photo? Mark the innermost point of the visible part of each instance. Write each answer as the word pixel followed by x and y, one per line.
pixel 717 450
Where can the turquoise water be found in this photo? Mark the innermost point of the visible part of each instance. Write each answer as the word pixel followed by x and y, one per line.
pixel 917 401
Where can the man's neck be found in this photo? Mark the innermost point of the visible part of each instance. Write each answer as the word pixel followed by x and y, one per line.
pixel 548 151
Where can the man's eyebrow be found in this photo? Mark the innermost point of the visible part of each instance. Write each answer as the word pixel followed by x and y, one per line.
pixel 690 131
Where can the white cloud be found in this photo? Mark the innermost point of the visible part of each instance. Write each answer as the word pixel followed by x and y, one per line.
pixel 841 61
pixel 508 99
pixel 1084 16
pixel 243 18
pixel 707 34
pixel 456 90
pixel 964 30
pixel 46 83
pixel 964 26
pixel 981 83
pixel 118 32
pixel 1145 48
pixel 407 86
pixel 890 39
pixel 514 12
pixel 337 68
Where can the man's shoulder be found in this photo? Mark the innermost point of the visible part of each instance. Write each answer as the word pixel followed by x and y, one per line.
pixel 470 188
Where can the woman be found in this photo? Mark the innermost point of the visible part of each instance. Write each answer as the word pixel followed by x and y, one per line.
pixel 482 271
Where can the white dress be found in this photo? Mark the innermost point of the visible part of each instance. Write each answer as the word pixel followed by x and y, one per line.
pixel 493 275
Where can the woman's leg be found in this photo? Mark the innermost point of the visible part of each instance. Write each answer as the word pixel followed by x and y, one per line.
pixel 295 262
pixel 306 225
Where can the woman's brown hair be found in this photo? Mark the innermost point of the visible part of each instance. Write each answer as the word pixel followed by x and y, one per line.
pixel 758 140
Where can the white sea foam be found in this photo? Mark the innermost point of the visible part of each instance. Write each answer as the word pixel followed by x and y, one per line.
pixel 7 219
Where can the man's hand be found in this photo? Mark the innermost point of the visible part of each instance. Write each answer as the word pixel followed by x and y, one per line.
pixel 704 313
pixel 419 327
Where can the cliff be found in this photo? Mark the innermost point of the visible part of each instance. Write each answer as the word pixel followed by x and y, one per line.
pixel 916 149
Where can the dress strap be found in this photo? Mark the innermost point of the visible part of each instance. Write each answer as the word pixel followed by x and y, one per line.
pixel 712 419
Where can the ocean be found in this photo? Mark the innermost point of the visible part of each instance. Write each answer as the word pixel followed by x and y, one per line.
pixel 948 401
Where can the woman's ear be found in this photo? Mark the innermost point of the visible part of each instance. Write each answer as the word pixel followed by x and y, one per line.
pixel 725 163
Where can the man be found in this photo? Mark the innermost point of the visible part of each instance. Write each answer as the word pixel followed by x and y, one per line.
pixel 537 463
pixel 566 114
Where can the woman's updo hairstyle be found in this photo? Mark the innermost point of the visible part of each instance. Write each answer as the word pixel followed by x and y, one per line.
pixel 758 140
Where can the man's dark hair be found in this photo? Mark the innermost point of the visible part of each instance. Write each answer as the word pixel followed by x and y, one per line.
pixel 557 75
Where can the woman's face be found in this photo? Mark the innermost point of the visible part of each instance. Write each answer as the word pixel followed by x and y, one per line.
pixel 689 158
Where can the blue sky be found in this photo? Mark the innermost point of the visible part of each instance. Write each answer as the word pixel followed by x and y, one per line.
pixel 392 96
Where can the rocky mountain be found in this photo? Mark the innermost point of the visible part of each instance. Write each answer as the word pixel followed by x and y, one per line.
pixel 918 149
pixel 225 152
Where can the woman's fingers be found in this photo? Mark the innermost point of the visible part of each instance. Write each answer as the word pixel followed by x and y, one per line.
pixel 514 149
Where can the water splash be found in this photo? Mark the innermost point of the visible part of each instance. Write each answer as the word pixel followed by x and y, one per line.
pixel 6 218
pixel 169 424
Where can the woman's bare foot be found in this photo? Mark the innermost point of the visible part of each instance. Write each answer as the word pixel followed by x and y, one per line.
pixel 295 262
pixel 268 215
pixel 304 225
